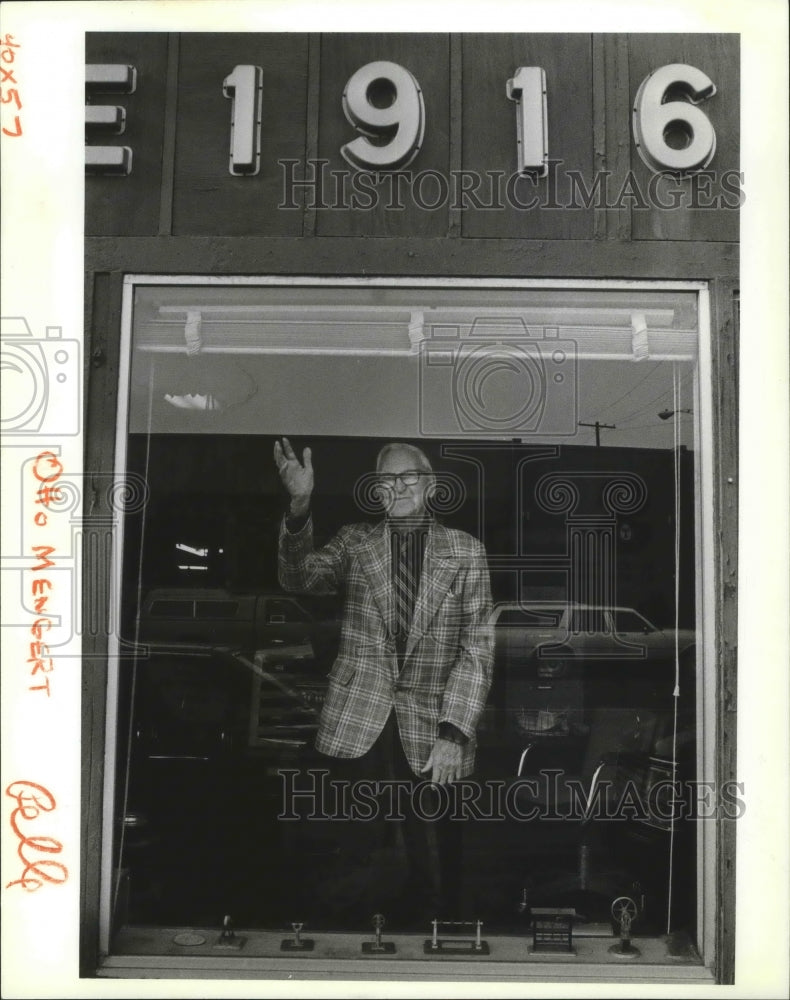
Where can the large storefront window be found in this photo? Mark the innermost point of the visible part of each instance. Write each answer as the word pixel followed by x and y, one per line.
pixel 566 427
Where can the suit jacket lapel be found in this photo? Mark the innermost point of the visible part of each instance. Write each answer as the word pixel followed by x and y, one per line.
pixel 438 569
pixel 375 559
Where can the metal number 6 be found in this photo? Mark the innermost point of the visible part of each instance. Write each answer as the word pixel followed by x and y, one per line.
pixel 655 117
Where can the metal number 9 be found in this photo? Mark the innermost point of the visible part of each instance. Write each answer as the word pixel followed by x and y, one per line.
pixel 383 101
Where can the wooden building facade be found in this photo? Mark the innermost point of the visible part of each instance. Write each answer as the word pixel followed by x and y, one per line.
pixel 220 164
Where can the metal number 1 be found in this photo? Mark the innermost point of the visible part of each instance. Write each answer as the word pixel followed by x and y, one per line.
pixel 528 89
pixel 245 87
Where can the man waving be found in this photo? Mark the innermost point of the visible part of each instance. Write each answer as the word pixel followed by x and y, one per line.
pixel 416 648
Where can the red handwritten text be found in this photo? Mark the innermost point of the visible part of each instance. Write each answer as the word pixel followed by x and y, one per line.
pixel 8 94
pixel 31 800
pixel 47 469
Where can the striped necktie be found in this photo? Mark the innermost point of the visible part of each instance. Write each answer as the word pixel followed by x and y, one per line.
pixel 407 550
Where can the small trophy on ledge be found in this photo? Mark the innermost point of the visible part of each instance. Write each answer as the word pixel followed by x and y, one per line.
pixel 297 942
pixel 228 938
pixel 377 946
pixel 456 945
pixel 624 911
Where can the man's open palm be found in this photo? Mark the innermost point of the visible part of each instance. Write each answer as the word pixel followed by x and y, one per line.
pixel 296 477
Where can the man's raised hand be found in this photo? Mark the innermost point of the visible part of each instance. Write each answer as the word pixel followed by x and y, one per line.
pixel 296 477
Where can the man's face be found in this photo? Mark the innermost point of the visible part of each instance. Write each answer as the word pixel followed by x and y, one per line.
pixel 403 484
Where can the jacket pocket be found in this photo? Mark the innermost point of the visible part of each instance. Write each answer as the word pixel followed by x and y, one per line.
pixel 342 672
pixel 337 695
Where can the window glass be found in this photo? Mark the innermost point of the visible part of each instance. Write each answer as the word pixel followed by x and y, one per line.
pixel 548 617
pixel 594 619
pixel 172 609
pixel 285 611
pixel 583 498
pixel 216 609
pixel 630 621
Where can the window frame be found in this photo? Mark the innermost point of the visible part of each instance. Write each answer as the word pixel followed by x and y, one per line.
pixel 705 445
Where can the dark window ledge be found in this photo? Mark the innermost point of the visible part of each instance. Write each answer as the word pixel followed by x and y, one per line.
pixel 146 952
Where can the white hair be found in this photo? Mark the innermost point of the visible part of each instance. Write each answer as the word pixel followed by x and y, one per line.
pixel 421 460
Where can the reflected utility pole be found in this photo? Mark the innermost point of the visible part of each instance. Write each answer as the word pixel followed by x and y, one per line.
pixel 597 425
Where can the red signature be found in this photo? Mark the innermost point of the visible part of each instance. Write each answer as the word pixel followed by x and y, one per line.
pixel 31 800
pixel 9 95
pixel 47 469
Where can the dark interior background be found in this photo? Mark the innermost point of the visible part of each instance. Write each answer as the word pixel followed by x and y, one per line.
pixel 199 802
pixel 223 493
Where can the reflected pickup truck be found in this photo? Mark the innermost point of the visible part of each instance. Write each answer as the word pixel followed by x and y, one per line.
pixel 249 621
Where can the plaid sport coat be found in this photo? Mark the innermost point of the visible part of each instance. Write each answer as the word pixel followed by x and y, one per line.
pixel 448 662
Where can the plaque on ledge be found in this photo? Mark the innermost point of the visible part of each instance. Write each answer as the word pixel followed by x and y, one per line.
pixel 456 945
pixel 552 929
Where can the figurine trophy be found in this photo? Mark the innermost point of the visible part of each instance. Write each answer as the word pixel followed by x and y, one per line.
pixel 624 912
pixel 377 946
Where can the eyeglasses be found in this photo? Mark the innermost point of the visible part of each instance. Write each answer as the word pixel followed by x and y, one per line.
pixel 408 478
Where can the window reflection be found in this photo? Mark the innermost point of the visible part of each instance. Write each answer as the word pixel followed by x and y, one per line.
pixel 229 696
pixel 588 739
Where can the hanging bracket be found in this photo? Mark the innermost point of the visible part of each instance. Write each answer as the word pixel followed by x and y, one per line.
pixel 639 346
pixel 192 331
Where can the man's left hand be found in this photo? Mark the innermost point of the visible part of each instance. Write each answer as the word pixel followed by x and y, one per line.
pixel 444 762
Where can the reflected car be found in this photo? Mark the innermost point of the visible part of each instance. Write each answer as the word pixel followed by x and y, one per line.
pixel 214 702
pixel 551 633
pixel 203 736
pixel 248 620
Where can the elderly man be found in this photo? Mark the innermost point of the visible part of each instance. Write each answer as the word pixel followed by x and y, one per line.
pixel 416 648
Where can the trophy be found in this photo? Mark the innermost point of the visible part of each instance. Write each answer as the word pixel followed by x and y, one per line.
pixel 377 946
pixel 297 942
pixel 228 938
pixel 456 945
pixel 624 912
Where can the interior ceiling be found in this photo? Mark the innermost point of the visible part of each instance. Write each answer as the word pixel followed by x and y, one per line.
pixel 416 362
